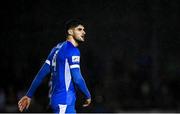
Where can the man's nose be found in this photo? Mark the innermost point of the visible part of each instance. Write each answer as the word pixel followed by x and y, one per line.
pixel 84 32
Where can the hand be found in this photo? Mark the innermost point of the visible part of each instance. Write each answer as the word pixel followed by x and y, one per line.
pixel 87 102
pixel 24 102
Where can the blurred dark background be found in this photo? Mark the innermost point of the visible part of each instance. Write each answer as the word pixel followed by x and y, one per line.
pixel 130 59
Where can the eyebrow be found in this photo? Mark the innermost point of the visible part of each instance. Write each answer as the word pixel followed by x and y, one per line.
pixel 80 28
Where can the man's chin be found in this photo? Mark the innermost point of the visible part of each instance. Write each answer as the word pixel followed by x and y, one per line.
pixel 80 40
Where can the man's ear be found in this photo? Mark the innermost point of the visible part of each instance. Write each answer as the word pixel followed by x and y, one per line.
pixel 70 32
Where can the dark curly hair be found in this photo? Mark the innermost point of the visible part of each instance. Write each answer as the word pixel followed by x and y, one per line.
pixel 72 24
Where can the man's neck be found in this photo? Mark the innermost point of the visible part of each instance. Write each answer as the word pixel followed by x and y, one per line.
pixel 71 39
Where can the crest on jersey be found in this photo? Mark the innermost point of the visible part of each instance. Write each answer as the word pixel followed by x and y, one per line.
pixel 75 58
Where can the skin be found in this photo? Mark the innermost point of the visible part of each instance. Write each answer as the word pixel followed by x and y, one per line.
pixel 75 35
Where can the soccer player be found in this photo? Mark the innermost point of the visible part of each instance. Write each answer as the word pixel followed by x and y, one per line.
pixel 63 63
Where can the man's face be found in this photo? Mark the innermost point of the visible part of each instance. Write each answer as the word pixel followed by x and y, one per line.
pixel 78 33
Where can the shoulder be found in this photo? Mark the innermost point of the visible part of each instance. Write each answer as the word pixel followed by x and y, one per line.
pixel 59 45
pixel 72 50
pixel 75 51
pixel 56 47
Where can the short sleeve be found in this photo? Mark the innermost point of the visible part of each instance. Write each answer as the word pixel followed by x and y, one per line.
pixel 74 59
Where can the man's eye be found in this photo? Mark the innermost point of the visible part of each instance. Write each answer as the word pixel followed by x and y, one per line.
pixel 79 29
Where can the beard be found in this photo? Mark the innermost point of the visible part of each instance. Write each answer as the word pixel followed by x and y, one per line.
pixel 79 40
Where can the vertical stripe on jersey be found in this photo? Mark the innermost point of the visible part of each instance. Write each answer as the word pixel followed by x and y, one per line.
pixel 67 75
pixel 62 109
